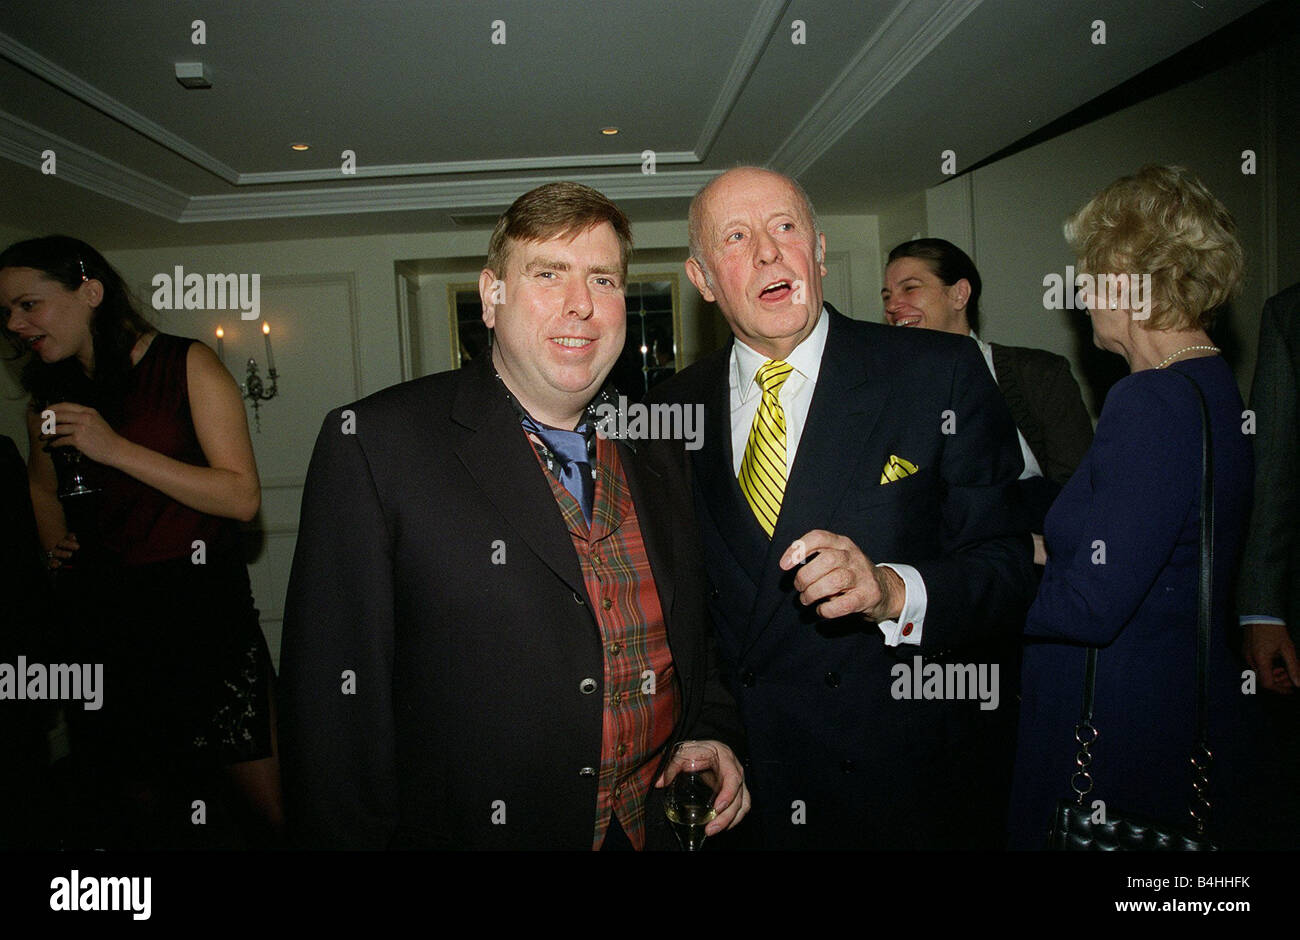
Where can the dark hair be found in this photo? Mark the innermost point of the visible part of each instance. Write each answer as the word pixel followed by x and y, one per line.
pixel 114 327
pixel 949 264
pixel 553 210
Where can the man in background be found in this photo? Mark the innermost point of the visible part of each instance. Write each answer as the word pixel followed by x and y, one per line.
pixel 27 804
pixel 1268 588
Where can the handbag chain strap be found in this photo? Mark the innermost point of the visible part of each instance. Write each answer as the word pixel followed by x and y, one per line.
pixel 1086 733
pixel 1202 757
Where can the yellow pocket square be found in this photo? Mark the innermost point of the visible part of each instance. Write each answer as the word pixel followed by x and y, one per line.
pixel 895 469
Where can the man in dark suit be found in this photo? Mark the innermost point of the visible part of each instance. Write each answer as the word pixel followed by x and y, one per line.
pixel 27 804
pixel 1268 588
pixel 496 625
pixel 932 284
pixel 830 448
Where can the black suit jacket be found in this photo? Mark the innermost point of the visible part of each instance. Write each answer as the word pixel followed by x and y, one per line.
pixel 1047 407
pixel 827 737
pixel 24 582
pixel 25 630
pixel 1270 568
pixel 468 671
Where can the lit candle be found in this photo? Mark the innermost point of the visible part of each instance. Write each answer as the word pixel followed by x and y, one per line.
pixel 221 345
pixel 266 335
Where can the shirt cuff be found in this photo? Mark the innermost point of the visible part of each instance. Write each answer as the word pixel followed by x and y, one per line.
pixel 907 628
pixel 1260 618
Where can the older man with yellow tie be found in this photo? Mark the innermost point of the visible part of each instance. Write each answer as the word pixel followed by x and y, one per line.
pixel 855 498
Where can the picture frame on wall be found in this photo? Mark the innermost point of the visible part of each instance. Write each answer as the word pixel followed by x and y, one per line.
pixel 651 351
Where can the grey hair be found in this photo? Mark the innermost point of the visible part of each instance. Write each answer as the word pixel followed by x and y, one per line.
pixel 695 222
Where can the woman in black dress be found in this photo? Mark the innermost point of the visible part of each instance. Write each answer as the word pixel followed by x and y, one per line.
pixel 151 579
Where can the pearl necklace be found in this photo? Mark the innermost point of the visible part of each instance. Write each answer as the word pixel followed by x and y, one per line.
pixel 1170 358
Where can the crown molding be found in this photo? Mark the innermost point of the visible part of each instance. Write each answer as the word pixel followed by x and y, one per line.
pixel 761 27
pixel 502 165
pixel 906 37
pixel 449 194
pixel 857 87
pixel 23 143
pixel 83 91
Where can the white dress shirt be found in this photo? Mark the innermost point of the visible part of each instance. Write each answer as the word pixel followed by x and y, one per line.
pixel 796 395
pixel 1032 469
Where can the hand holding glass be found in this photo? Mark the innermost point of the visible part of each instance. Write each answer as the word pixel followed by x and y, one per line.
pixel 688 799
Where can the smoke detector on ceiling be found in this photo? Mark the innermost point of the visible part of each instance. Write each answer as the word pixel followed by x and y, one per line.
pixel 193 75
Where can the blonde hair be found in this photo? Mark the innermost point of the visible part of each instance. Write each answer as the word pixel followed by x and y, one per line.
pixel 1162 221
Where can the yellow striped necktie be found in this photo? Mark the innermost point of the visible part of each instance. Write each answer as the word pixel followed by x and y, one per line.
pixel 762 469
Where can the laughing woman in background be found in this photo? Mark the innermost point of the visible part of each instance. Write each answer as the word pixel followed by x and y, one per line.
pixel 1123 536
pixel 932 284
pixel 150 578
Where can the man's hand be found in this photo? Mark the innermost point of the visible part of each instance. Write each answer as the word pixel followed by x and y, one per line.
pixel 1264 646
pixel 732 802
pixel 841 580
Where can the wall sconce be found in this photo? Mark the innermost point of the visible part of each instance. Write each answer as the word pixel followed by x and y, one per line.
pixel 253 389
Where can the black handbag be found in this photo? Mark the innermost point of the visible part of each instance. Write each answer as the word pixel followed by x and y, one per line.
pixel 1073 829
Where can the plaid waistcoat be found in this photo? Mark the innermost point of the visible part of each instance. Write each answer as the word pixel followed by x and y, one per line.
pixel 641 704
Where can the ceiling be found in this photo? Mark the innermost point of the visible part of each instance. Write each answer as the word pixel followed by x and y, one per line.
pixel 447 120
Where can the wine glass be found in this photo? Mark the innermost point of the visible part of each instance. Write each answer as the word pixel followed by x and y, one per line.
pixel 70 464
pixel 75 488
pixel 688 801
pixel 70 470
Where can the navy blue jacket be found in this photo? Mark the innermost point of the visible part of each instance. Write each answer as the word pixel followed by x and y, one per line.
pixel 837 760
pixel 1123 557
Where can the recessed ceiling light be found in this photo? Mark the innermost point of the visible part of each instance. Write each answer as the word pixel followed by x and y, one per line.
pixel 609 131
pixel 301 146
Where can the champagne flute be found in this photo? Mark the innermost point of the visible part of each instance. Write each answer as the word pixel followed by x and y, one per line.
pixel 688 800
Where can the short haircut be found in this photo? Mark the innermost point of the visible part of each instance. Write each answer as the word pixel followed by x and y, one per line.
pixel 695 218
pixel 1162 221
pixel 554 210
pixel 949 264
